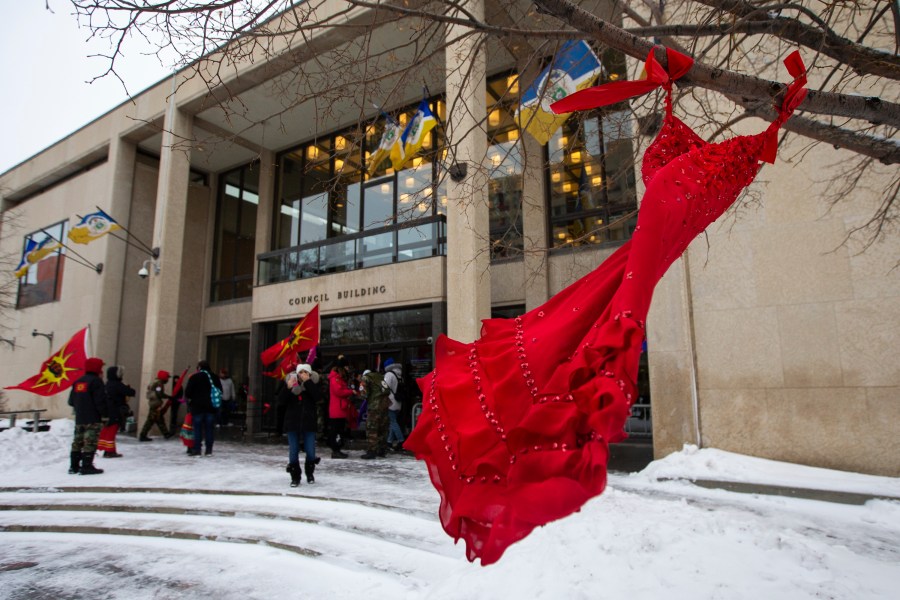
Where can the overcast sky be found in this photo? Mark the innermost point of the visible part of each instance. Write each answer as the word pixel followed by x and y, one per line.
pixel 45 72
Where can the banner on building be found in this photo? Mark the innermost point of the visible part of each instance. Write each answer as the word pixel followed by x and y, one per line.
pixel 390 146
pixel 61 370
pixel 575 67
pixel 304 336
pixel 93 226
pixel 419 127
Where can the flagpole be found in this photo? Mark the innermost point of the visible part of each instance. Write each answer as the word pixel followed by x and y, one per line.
pixel 154 252
pixel 98 267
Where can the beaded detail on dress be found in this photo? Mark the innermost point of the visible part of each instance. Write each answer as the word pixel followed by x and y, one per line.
pixel 516 426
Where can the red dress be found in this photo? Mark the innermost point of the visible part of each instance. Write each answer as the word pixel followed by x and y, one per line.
pixel 516 425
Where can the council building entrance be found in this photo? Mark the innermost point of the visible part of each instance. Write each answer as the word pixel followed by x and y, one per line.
pixel 366 340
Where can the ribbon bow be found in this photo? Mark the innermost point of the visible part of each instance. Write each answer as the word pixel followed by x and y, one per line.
pixel 617 91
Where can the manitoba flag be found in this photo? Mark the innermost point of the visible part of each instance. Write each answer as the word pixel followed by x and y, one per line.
pixel 304 336
pixel 60 371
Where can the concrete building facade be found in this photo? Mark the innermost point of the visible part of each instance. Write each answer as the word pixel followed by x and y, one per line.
pixel 770 336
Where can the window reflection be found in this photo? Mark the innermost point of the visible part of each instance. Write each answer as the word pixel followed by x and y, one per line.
pixel 43 281
pixel 234 248
pixel 505 164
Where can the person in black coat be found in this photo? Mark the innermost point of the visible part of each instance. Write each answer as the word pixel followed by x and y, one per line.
pixel 300 399
pixel 117 394
pixel 200 390
pixel 88 398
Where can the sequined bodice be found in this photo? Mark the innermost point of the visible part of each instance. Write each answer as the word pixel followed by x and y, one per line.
pixel 674 139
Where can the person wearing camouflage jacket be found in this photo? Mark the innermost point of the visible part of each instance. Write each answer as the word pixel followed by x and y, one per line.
pixel 156 395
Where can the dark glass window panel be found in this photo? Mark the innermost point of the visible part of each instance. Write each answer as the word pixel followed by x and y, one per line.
pixel 235 236
pixel 43 281
pixel 405 324
pixel 346 329
pixel 378 205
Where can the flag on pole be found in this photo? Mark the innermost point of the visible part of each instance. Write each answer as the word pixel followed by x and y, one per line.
pixel 413 137
pixel 574 68
pixel 60 371
pixel 92 227
pixel 390 146
pixel 287 365
pixel 179 382
pixel 35 252
pixel 304 336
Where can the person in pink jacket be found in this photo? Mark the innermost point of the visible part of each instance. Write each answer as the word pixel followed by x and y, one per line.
pixel 338 405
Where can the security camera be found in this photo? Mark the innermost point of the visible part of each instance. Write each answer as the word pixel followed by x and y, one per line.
pixel 143 273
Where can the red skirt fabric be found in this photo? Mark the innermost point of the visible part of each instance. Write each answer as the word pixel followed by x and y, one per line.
pixel 106 442
pixel 187 431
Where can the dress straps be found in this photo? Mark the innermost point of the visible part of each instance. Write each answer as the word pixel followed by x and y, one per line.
pixel 617 91
pixel 793 97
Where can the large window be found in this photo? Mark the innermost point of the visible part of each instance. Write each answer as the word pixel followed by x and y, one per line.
pixel 505 164
pixel 235 240
pixel 326 192
pixel 591 172
pixel 42 282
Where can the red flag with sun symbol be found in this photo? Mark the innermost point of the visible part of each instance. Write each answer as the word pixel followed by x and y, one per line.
pixel 60 371
pixel 304 336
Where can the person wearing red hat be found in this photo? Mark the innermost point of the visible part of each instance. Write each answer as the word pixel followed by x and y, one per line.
pixel 88 398
pixel 156 395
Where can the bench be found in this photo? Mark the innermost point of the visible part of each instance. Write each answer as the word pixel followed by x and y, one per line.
pixel 36 423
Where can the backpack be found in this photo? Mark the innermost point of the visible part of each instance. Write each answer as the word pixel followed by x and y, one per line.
pixel 402 394
pixel 215 394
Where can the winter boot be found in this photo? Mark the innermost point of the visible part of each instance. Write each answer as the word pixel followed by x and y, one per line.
pixel 310 467
pixel 144 438
pixel 294 470
pixel 87 464
pixel 74 463
pixel 369 455
pixel 338 454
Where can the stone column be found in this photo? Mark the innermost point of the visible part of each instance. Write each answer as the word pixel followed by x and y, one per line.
pixel 468 238
pixel 161 330
pixel 534 224
pixel 117 204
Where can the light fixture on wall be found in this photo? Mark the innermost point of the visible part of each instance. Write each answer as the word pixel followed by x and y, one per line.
pixel 49 336
pixel 11 342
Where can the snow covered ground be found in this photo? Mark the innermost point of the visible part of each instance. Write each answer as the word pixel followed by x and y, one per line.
pixel 159 524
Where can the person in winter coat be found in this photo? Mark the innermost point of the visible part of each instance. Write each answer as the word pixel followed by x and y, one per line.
pixel 156 396
pixel 200 391
pixel 393 377
pixel 300 397
pixel 88 398
pixel 228 397
pixel 377 400
pixel 338 405
pixel 117 394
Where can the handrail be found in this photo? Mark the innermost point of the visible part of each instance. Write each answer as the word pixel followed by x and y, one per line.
pixel 35 423
pixel 350 252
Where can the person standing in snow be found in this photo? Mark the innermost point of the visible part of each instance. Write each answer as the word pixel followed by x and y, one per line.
pixel 228 396
pixel 117 394
pixel 393 377
pixel 338 405
pixel 200 391
pixel 88 398
pixel 300 397
pixel 156 395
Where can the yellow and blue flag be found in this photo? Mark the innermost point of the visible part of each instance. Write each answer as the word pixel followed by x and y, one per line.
pixel 92 227
pixel 390 146
pixel 414 135
pixel 574 68
pixel 35 252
